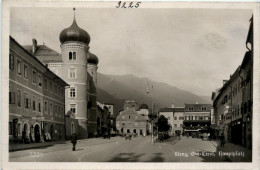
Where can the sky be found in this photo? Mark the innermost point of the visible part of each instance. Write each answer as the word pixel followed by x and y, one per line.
pixel 192 49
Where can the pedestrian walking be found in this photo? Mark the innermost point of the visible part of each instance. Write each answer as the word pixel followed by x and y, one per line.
pixel 74 139
pixel 222 140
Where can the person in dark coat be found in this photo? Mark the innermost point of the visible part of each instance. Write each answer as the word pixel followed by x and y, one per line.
pixel 74 139
pixel 222 140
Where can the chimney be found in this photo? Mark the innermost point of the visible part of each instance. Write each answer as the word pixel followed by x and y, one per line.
pixel 34 45
pixel 172 105
pixel 224 82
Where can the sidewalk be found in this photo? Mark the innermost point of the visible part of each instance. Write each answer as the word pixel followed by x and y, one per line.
pixel 91 141
pixel 16 147
pixel 233 152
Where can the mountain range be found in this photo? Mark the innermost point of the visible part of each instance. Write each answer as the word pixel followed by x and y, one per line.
pixel 116 88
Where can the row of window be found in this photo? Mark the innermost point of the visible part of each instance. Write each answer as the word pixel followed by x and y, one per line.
pixel 175 125
pixel 129 123
pixel 36 78
pixel 236 89
pixel 176 118
pixel 202 108
pixel 245 108
pixel 196 117
pixel 35 104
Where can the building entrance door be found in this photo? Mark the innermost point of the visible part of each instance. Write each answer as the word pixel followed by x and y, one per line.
pixel 37 133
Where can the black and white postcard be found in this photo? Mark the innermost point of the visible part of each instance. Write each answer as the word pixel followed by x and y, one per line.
pixel 130 85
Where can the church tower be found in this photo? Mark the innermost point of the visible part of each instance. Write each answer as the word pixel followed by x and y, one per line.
pixel 92 67
pixel 74 49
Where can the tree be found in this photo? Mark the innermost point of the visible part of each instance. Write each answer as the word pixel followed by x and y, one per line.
pixel 163 124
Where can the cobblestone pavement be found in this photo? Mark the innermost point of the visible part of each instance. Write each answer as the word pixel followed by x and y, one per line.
pixel 138 149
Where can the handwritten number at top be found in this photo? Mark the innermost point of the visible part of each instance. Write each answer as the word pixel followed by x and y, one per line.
pixel 126 5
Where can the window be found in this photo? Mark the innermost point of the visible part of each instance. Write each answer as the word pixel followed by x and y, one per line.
pixel 175 125
pixel 34 105
pixel 19 98
pixel 59 111
pixel 27 103
pixel 175 118
pixel 73 108
pixel 204 108
pixel 40 80
pixel 206 118
pixel 181 125
pixel 34 77
pixel 129 117
pixel 45 84
pixel 62 110
pixel 11 98
pixel 19 67
pixel 73 92
pixel 50 86
pixel 72 73
pixel 55 109
pixel 39 105
pixel 25 71
pixel 190 108
pixel 72 55
pixel 55 89
pixel 181 118
pixel 11 62
pixel 200 117
pixel 45 106
pixel 59 91
pixel 51 109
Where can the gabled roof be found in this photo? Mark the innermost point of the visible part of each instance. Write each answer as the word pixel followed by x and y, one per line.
pixel 44 53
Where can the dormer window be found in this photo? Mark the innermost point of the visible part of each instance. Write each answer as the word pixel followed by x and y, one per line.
pixel 204 108
pixel 191 109
pixel 72 55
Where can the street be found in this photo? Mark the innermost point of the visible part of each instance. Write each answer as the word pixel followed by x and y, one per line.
pixel 117 149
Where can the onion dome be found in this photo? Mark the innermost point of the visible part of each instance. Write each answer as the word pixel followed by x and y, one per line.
pixel 92 58
pixel 143 106
pixel 74 33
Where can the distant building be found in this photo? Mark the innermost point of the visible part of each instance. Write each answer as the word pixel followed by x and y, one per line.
pixel 36 99
pixel 196 118
pixel 175 118
pixel 129 121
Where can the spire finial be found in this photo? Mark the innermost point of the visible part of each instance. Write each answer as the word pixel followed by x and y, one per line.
pixel 74 9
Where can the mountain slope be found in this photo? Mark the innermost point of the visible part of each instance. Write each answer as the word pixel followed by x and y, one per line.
pixel 129 86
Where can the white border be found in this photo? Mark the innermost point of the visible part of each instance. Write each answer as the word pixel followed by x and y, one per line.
pixel 145 4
